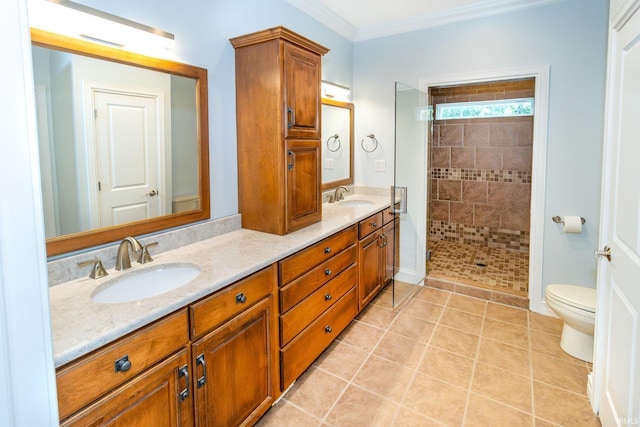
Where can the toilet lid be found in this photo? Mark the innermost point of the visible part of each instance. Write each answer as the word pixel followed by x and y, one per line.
pixel 575 296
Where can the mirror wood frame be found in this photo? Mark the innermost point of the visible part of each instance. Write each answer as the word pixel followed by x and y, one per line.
pixel 347 105
pixel 85 239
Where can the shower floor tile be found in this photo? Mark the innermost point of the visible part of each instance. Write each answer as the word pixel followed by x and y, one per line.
pixel 493 269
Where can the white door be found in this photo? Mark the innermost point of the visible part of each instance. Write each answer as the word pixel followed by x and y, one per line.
pixel 617 354
pixel 129 148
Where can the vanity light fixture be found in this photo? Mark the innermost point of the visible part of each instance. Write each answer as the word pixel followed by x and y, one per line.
pixel 77 20
pixel 335 91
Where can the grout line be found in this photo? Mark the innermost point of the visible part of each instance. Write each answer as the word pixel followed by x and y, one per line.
pixel 475 363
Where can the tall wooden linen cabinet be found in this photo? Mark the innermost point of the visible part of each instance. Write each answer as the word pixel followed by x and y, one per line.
pixel 278 74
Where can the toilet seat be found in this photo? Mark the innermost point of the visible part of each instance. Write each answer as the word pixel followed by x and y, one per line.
pixel 575 296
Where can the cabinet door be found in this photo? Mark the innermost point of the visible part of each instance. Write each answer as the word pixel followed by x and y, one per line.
pixel 390 239
pixel 370 258
pixel 158 397
pixel 302 75
pixel 303 183
pixel 235 373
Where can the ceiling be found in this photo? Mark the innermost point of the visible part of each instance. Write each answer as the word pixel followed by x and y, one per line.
pixel 368 19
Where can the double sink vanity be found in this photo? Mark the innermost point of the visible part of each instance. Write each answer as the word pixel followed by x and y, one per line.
pixel 261 308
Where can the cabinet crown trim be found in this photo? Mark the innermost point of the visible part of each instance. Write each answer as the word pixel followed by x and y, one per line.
pixel 278 33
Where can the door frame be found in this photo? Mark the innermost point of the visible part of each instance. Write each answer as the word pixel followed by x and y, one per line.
pixel 539 154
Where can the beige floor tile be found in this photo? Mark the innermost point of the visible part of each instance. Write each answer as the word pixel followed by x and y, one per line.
pixel 384 377
pixel 436 399
pixel 409 418
pixel 424 310
pixel 506 332
pixel 507 314
pixel 562 407
pixel 559 373
pixel 384 299
pixel 483 412
pixel 377 316
pixel 284 414
pixel 362 336
pixel 503 386
pixel 504 356
pixel 461 320
pixel 434 296
pixel 341 359
pixel 316 391
pixel 447 366
pixel 453 340
pixel 468 304
pixel 401 350
pixel 412 327
pixel 358 407
pixel 549 344
pixel 548 324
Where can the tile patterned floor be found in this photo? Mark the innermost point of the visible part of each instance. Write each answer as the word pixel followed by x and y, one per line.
pixel 441 359
pixel 491 268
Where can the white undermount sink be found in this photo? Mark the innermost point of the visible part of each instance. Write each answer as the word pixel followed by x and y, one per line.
pixel 145 283
pixel 355 203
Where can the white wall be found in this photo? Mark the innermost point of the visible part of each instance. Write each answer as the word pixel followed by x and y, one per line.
pixel 569 36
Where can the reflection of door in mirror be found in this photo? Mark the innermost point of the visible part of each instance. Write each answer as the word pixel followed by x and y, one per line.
pixel 337 143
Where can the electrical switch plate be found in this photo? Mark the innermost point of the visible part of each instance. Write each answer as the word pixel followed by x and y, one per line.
pixel 380 166
pixel 328 164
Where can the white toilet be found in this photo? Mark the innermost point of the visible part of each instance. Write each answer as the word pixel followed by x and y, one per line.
pixel 576 307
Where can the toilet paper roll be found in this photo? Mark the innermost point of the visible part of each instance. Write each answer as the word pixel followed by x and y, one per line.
pixel 572 224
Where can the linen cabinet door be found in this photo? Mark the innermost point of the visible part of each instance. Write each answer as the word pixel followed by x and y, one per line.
pixel 235 373
pixel 302 75
pixel 304 204
pixel 370 267
pixel 160 397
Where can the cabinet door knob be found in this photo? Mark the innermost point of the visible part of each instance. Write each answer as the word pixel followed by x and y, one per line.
pixel 327 297
pixel 373 224
pixel 328 329
pixel 241 298
pixel 123 364
pixel 327 272
pixel 327 250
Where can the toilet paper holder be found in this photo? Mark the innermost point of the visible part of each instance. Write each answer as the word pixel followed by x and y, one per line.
pixel 559 220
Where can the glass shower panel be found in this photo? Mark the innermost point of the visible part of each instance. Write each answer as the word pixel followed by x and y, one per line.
pixel 412 125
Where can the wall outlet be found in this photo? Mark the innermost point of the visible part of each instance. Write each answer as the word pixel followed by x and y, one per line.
pixel 380 166
pixel 328 164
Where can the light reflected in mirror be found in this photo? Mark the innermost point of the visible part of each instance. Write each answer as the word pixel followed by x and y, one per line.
pixel 337 143
pixel 123 142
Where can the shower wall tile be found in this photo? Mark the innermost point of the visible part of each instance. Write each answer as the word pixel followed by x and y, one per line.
pixel 463 157
pixel 474 192
pixel 516 158
pixel 440 211
pixel 486 216
pixel 441 157
pixel 450 135
pixel 504 134
pixel 450 190
pixel 514 218
pixel 476 134
pixel 525 132
pixel 507 194
pixel 488 158
pixel 461 213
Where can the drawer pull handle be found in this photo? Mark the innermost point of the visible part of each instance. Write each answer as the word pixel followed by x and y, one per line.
pixel 327 272
pixel 241 298
pixel 203 379
pixel 328 329
pixel 184 372
pixel 327 297
pixel 327 250
pixel 123 364
pixel 373 224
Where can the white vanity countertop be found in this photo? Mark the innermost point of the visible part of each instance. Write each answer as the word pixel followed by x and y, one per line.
pixel 80 325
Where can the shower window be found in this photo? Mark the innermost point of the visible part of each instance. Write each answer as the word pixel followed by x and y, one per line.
pixel 483 109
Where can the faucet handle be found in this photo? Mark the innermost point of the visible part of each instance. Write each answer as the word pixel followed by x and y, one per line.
pixel 97 271
pixel 144 256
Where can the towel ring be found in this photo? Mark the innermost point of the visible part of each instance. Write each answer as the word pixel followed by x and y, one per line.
pixel 372 139
pixel 336 139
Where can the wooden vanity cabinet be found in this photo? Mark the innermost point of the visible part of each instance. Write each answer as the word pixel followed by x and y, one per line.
pixel 235 352
pixel 278 75
pixel 138 380
pixel 318 299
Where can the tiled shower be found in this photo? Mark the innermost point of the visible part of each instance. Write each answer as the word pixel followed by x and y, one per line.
pixel 480 195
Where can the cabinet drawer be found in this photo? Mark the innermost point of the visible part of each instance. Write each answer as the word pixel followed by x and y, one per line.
pixel 388 215
pixel 306 347
pixel 216 309
pixel 86 379
pixel 296 319
pixel 369 225
pixel 303 261
pixel 300 288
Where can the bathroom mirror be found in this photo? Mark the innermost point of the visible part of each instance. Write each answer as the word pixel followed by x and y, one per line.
pixel 337 143
pixel 123 142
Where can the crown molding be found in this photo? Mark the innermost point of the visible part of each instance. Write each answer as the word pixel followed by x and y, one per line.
pixel 325 16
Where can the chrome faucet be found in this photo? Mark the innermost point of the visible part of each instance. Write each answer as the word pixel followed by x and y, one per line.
pixel 123 259
pixel 338 195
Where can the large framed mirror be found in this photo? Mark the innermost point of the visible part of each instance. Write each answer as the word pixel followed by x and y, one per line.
pixel 337 143
pixel 123 140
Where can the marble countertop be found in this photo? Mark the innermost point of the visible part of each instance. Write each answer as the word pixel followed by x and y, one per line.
pixel 80 325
